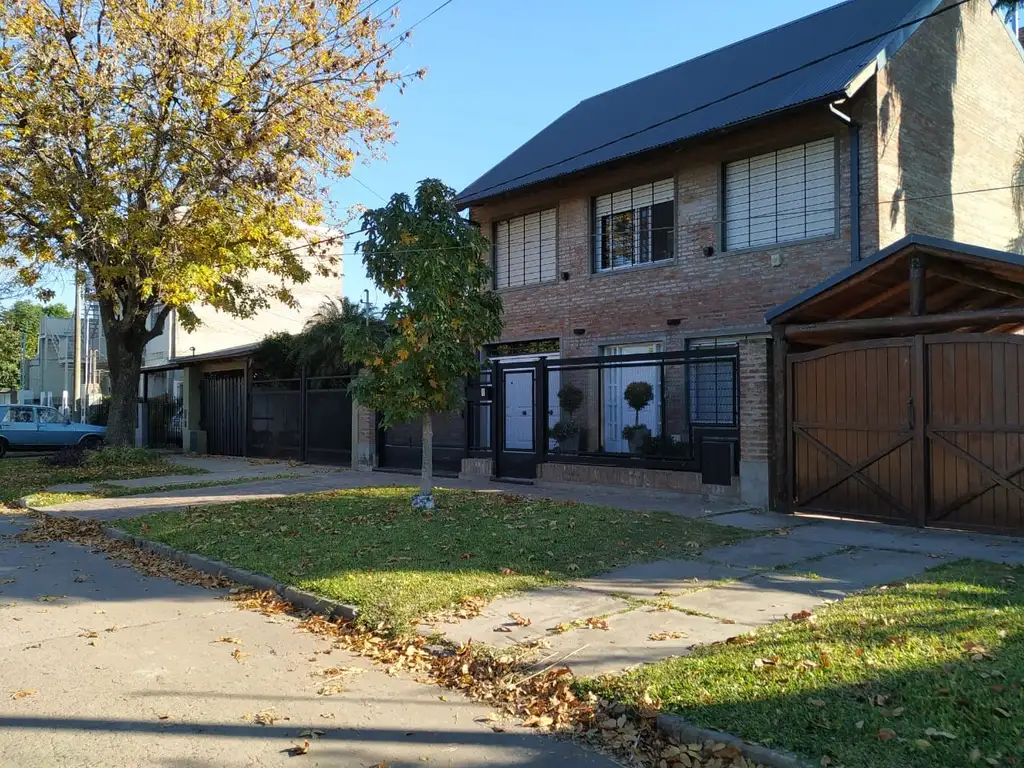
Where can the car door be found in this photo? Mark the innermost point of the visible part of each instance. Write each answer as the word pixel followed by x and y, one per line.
pixel 19 426
pixel 54 431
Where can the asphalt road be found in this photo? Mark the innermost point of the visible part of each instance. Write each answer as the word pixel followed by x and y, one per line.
pixel 102 666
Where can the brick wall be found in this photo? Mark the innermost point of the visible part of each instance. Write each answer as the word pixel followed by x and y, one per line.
pixel 951 116
pixel 724 294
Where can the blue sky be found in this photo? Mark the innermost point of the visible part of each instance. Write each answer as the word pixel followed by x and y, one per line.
pixel 498 71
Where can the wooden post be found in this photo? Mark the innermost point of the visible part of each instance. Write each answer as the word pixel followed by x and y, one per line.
pixel 918 412
pixel 917 287
pixel 781 499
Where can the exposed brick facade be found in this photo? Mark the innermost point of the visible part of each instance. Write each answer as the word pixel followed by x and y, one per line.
pixel 944 116
pixel 951 120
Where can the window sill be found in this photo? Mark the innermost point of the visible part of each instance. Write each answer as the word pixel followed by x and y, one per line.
pixel 637 268
pixel 528 286
pixel 777 246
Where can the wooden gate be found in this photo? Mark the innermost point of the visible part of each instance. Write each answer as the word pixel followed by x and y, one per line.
pixel 926 430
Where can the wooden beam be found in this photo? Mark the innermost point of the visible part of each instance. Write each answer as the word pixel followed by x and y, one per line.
pixel 900 325
pixel 976 278
pixel 917 287
pixel 874 301
pixel 781 459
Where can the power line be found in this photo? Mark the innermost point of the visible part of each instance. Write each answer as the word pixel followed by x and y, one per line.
pixel 367 188
pixel 732 95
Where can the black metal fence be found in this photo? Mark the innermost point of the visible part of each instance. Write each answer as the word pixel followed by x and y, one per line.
pixel 166 417
pixel 675 410
pixel 301 419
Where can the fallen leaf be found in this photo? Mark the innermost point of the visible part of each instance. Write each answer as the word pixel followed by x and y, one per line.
pixel 859 725
pixel 49 598
pixel 312 733
pixel 975 755
pixel 163 716
pixel 538 721
pixel 238 654
pixel 22 694
pixel 266 717
pixel 563 627
pixel 234 640
pixel 923 743
pixel 7 581
pixel 801 616
pixel 935 732
pixel 943 593
pixel 816 702
pixel 89 634
pixel 299 749
pixel 885 734
pixel 658 636
pixel 82 578
pixel 520 620
pixel 1001 711
pixel 466 555
pixel 503 628
pixel 572 567
pixel 594 622
pixel 507 572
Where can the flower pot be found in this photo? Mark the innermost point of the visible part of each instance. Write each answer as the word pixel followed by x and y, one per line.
pixel 570 444
pixel 637 438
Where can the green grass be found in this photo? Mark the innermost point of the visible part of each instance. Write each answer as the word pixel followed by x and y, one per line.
pixel 945 652
pixel 367 547
pixel 107 491
pixel 22 477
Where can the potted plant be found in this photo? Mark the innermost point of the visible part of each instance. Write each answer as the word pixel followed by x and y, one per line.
pixel 638 396
pixel 567 431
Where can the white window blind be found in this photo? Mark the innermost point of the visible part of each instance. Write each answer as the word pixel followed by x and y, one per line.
pixel 525 249
pixel 781 196
pixel 634 226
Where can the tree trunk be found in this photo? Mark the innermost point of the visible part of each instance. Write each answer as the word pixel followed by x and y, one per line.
pixel 427 475
pixel 124 348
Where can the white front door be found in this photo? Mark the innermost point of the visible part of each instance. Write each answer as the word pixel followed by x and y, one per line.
pixel 518 410
pixel 617 413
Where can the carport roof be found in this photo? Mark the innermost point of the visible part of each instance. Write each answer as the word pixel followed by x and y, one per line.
pixel 958 277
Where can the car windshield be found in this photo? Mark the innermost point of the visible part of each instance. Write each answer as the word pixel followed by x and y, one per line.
pixel 50 416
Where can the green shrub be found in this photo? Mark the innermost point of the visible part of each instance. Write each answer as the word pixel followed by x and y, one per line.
pixel 123 456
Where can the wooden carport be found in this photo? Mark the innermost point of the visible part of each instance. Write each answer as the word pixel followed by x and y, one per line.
pixel 898 390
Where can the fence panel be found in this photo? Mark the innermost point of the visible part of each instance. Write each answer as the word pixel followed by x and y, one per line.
pixel 328 420
pixel 275 419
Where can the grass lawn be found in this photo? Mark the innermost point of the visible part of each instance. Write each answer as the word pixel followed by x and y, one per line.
pixel 923 675
pixel 107 491
pixel 368 548
pixel 23 476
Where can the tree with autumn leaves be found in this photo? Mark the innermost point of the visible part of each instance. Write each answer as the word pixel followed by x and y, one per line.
pixel 433 266
pixel 170 150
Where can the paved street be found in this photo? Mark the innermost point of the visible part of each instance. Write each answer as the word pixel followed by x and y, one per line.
pixel 156 688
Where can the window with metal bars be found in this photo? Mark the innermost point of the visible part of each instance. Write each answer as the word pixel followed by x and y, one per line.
pixel 781 197
pixel 635 226
pixel 713 386
pixel 525 249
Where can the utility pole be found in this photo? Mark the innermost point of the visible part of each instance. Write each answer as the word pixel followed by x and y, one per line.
pixel 24 360
pixel 77 378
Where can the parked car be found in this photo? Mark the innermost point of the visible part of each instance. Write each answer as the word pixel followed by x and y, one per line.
pixel 39 427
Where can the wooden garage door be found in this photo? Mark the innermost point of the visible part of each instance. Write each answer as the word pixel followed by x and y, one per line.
pixel 851 431
pixel 976 431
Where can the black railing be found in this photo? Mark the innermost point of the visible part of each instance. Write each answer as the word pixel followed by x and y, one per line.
pixel 656 409
pixel 166 417
pixel 674 410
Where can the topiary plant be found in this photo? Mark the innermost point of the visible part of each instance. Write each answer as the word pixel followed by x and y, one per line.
pixel 638 396
pixel 570 398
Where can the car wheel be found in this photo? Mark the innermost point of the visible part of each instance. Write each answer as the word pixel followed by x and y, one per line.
pixel 91 442
pixel 3 447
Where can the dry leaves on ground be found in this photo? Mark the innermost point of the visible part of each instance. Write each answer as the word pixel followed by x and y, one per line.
pixel 545 700
pixel 22 694
pixel 659 636
pixel 90 534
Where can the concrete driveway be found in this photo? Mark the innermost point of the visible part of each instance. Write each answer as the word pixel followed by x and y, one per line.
pixel 103 666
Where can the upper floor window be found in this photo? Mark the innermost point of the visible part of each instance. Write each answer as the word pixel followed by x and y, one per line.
pixel 634 226
pixel 525 249
pixel 781 196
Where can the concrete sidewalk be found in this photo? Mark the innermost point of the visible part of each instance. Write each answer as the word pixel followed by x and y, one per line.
pixel 157 687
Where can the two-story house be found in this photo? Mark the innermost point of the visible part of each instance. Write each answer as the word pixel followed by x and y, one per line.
pixel 669 214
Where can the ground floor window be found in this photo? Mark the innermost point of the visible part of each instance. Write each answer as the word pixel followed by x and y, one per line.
pixel 618 414
pixel 713 386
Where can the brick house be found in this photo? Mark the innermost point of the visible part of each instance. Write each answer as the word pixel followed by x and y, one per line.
pixel 669 214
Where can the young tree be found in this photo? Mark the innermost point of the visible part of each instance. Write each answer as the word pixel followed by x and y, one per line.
pixel 171 149
pixel 19 322
pixel 433 265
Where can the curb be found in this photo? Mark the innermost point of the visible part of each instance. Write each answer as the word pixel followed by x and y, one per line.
pixel 305 600
pixel 685 732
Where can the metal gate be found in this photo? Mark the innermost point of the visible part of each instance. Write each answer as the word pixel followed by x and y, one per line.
pixel 222 401
pixel 926 430
pixel 401 446
pixel 517 413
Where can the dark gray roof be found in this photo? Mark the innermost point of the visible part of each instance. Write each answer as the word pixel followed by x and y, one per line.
pixel 684 87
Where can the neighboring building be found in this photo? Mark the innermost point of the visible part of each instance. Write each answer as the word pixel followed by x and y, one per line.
pixel 179 364
pixel 48 378
pixel 671 213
